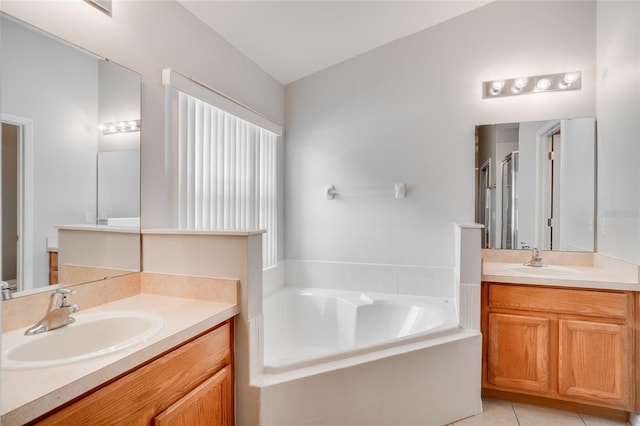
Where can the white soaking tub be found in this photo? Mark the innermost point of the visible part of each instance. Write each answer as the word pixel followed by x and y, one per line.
pixel 303 327
pixel 341 358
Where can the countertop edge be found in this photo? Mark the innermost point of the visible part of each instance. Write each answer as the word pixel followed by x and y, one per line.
pixel 561 282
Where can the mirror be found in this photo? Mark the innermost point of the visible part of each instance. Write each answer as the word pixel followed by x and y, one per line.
pixel 536 184
pixel 70 162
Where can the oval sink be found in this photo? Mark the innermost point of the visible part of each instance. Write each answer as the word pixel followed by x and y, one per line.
pixel 551 271
pixel 92 335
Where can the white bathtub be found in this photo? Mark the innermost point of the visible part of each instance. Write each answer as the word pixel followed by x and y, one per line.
pixel 304 327
pixel 344 358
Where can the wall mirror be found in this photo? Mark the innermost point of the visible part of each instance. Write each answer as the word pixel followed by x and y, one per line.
pixel 70 162
pixel 536 184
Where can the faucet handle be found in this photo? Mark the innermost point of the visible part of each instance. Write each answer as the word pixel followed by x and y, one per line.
pixel 59 297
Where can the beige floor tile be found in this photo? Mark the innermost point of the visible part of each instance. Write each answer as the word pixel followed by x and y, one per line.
pixel 494 413
pixel 598 421
pixel 539 416
pixel 517 405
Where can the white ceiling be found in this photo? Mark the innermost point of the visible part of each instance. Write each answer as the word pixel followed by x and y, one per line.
pixel 291 39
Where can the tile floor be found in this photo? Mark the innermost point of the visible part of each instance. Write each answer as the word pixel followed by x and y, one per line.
pixel 505 413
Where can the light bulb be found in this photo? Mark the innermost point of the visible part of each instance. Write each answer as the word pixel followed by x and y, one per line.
pixel 497 86
pixel 568 79
pixel 520 83
pixel 543 84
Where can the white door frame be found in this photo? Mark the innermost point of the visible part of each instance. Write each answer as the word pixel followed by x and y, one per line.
pixel 25 199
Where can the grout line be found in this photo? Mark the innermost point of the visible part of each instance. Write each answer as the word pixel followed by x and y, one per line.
pixel 515 413
pixel 583 421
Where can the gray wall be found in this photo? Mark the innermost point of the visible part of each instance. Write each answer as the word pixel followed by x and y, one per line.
pixel 406 112
pixel 147 36
pixel 56 86
pixel 618 111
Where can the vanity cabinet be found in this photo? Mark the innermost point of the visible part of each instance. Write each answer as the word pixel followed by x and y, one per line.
pixel 572 345
pixel 189 385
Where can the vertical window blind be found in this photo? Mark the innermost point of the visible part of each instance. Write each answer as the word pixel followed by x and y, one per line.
pixel 226 173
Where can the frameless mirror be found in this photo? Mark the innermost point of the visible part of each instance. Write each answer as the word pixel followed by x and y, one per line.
pixel 70 162
pixel 536 184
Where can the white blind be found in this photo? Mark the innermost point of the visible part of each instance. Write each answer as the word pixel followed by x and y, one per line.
pixel 226 173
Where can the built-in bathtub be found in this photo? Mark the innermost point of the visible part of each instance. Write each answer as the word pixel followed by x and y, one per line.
pixel 304 327
pixel 339 357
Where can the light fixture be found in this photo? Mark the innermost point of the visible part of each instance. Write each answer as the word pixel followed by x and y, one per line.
pixel 534 84
pixel 120 127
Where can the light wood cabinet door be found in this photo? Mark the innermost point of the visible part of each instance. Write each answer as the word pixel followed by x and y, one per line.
pixel 210 404
pixel 518 347
pixel 139 396
pixel 593 362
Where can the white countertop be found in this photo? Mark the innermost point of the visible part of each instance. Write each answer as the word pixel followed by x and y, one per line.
pixel 589 277
pixel 27 394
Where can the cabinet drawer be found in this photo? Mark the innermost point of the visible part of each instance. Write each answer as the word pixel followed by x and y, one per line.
pixel 605 304
pixel 140 395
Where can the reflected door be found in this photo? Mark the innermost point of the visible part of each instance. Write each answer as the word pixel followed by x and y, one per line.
pixel 552 191
pixel 10 149
pixel 510 201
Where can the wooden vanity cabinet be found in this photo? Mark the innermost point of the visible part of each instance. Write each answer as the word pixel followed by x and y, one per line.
pixel 189 385
pixel 572 345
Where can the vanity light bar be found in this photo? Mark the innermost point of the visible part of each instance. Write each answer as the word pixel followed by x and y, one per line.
pixel 535 84
pixel 120 127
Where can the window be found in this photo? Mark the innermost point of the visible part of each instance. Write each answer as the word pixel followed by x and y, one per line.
pixel 226 173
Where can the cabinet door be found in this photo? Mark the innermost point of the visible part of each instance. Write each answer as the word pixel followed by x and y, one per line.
pixel 518 352
pixel 593 362
pixel 210 404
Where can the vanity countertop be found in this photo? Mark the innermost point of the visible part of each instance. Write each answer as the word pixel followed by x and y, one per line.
pixel 27 394
pixel 587 276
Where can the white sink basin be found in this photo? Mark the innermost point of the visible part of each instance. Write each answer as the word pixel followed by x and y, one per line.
pixel 550 271
pixel 91 336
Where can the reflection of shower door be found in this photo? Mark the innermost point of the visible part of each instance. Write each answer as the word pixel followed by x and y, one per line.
pixel 510 201
pixel 484 202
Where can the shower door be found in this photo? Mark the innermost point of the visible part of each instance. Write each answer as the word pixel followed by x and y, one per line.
pixel 510 201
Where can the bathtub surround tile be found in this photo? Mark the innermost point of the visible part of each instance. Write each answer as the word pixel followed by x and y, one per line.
pixel 376 278
pixel 470 306
pixel 391 279
pixel 468 252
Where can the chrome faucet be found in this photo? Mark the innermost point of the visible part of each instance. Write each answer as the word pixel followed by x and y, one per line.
pixel 536 259
pixel 57 314
pixel 6 290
